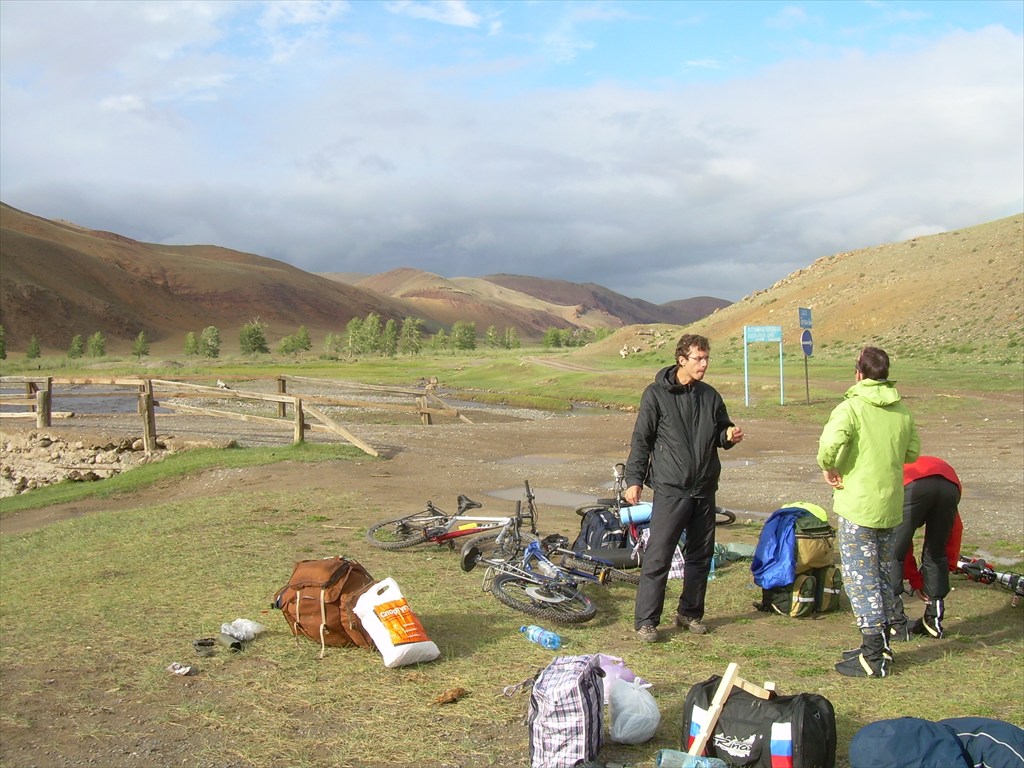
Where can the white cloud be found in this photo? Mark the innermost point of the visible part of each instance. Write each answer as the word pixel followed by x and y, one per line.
pixel 454 12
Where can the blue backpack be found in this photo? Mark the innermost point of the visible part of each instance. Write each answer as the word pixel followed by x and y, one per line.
pixel 959 742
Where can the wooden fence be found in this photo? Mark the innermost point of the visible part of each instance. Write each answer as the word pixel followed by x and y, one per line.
pixel 38 398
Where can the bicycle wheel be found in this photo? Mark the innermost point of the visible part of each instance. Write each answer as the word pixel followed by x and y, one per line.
pixel 559 603
pixel 401 533
pixel 724 516
pixel 487 543
pixel 611 575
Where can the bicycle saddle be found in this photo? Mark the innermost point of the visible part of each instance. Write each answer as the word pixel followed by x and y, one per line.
pixel 466 503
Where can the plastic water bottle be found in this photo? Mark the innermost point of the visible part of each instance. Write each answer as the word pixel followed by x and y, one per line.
pixel 542 637
pixel 711 573
pixel 673 758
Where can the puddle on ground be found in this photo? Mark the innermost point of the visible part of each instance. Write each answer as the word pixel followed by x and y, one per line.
pixel 545 496
pixel 538 458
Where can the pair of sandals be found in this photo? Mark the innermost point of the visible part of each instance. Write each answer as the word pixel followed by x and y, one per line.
pixel 207 646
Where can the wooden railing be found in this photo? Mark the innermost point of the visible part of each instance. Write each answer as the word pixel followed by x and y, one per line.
pixel 38 399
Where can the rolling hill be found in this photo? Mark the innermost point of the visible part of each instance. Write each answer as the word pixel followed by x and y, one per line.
pixel 59 279
pixel 944 296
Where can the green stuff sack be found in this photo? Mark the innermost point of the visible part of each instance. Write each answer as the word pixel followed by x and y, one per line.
pixel 796 599
pixel 828 589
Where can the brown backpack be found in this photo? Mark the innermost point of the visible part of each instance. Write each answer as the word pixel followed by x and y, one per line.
pixel 319 602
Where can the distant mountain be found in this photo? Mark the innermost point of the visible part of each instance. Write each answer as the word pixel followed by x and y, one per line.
pixel 589 297
pixel 59 279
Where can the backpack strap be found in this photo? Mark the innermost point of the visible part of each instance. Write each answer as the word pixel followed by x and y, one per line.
pixel 323 623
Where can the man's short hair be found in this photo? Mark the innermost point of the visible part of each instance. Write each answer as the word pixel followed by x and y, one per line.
pixel 688 340
pixel 873 363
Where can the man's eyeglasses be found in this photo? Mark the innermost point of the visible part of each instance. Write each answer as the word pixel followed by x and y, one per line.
pixel 698 360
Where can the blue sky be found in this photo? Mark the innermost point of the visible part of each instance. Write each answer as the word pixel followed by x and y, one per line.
pixel 661 149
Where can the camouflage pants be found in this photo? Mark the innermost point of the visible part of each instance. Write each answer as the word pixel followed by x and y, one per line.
pixel 866 555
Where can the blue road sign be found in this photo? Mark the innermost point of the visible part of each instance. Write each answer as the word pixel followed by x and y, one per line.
pixel 807 342
pixel 805 317
pixel 762 333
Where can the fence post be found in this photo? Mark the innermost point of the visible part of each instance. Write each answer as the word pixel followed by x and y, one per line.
pixel 42 408
pixel 421 403
pixel 148 410
pixel 300 426
pixel 282 389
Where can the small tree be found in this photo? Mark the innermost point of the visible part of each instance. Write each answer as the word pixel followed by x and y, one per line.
pixel 552 338
pixel 302 340
pixel 253 338
pixel 370 337
pixel 209 342
pixel 332 345
pixel 3 344
pixel 410 339
pixel 463 335
pixel 491 335
pixel 353 336
pixel 389 339
pixel 77 348
pixel 511 339
pixel 440 340
pixel 33 352
pixel 191 344
pixel 97 345
pixel 141 346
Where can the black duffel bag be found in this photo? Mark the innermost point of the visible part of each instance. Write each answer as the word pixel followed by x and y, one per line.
pixel 797 730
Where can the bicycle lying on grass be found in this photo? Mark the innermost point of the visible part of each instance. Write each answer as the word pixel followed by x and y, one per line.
pixel 435 526
pixel 541 578
pixel 618 505
pixel 978 570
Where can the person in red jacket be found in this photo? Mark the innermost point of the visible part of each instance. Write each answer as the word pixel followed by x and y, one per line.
pixel 931 494
pixel 911 573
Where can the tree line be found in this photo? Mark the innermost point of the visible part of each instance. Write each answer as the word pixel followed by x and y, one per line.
pixel 363 336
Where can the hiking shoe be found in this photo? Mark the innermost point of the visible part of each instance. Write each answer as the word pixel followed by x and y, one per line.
pixel 696 626
pixel 648 633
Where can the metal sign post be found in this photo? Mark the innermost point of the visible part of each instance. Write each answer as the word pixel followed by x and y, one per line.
pixel 761 333
pixel 807 343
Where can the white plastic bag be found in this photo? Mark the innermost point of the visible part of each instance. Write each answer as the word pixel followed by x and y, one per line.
pixel 393 627
pixel 242 629
pixel 614 669
pixel 634 713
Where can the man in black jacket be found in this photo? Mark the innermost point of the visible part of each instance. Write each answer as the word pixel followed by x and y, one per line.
pixel 681 424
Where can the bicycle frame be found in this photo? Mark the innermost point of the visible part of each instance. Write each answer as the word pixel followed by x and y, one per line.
pixel 978 570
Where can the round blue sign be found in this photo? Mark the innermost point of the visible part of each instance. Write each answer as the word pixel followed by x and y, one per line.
pixel 807 342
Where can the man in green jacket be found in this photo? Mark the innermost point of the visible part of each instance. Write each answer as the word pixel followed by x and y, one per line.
pixel 861 452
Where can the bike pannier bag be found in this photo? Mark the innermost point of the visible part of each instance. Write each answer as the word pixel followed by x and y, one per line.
pixel 815 543
pixel 394 628
pixel 781 731
pixel 319 602
pixel 795 600
pixel 566 711
pixel 828 589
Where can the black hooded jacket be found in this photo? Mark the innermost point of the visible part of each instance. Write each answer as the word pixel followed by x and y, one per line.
pixel 675 440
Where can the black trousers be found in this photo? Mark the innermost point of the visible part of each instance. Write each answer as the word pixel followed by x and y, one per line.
pixel 670 517
pixel 932 502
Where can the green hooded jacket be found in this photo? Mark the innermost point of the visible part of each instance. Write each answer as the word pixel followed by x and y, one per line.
pixel 868 439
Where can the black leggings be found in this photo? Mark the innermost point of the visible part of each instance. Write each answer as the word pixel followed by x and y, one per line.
pixel 932 502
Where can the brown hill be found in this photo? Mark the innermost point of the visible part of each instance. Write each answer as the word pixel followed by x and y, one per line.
pixel 486 303
pixel 950 295
pixel 590 297
pixel 59 279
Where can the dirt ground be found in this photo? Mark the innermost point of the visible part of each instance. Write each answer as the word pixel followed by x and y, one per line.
pixel 568 460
